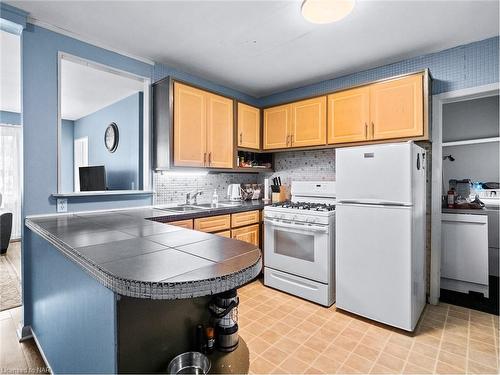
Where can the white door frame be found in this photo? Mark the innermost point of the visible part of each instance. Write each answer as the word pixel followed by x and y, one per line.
pixel 437 165
pixel 85 156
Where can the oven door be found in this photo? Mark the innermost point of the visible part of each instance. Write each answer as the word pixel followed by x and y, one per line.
pixel 298 249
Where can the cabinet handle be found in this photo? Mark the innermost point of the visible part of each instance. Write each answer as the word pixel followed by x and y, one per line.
pixel 373 130
pixel 204 159
pixel 366 130
pixel 209 158
pixel 287 140
pixel 291 140
pixel 241 138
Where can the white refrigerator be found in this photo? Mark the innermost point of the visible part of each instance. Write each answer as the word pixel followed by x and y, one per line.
pixel 381 232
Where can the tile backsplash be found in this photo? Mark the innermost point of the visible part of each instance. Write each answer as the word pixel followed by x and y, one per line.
pixel 292 165
pixel 172 187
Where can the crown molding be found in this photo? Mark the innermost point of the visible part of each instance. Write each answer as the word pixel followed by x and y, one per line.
pixel 81 38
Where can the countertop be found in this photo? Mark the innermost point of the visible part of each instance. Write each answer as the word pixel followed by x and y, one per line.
pixel 467 211
pixel 133 253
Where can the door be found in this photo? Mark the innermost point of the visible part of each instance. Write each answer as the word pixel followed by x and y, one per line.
pixel 301 250
pixel 248 234
pixel 277 127
pixel 375 174
pixel 373 270
pixel 190 123
pixel 219 132
pixel 81 158
pixel 349 116
pixel 396 108
pixel 248 126
pixel 308 123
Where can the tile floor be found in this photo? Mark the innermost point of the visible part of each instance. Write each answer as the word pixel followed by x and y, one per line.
pixel 288 335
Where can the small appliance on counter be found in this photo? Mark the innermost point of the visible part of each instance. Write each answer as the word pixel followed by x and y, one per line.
pixel 234 192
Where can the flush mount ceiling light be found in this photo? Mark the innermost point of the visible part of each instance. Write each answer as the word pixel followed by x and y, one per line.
pixel 326 11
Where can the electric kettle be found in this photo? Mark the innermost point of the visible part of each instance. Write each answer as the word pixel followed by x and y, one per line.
pixel 234 192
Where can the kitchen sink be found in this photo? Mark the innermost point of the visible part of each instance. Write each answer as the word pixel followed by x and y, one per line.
pixel 220 204
pixel 184 208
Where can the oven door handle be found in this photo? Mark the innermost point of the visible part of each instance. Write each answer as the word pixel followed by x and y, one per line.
pixel 308 227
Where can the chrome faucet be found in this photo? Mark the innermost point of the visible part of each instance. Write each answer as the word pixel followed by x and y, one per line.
pixel 191 199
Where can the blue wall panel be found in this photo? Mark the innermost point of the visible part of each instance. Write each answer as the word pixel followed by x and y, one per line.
pixel 71 314
pixel 67 154
pixel 465 66
pixel 123 167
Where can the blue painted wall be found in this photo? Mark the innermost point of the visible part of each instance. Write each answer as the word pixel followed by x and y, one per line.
pixel 40 49
pixel 72 315
pixel 67 155
pixel 11 118
pixel 123 167
pixel 465 66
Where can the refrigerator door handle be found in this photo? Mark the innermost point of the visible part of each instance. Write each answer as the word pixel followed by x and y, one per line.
pixel 373 204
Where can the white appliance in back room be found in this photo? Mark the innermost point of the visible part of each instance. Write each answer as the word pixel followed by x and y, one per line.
pixel 380 232
pixel 299 246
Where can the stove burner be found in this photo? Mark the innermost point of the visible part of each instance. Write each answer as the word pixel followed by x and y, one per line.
pixel 305 206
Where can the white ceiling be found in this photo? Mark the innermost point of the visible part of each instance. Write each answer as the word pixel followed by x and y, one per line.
pixel 262 47
pixel 85 89
pixel 10 72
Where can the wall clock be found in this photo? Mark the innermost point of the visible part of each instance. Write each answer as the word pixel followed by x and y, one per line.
pixel 111 136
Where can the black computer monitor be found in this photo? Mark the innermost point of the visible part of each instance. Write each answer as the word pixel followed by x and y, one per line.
pixel 92 178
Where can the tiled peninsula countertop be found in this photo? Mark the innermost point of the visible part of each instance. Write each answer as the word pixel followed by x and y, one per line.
pixel 134 253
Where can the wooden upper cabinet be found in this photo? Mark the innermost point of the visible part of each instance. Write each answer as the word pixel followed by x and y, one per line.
pixel 248 126
pixel 308 123
pixel 396 108
pixel 349 115
pixel 277 125
pixel 189 126
pixel 219 132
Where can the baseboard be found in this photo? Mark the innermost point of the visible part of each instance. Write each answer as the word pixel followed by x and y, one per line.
pixel 41 351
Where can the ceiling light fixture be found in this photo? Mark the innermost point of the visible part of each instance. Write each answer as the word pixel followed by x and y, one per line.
pixel 326 11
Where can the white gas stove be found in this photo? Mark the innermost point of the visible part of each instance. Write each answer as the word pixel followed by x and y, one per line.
pixel 299 246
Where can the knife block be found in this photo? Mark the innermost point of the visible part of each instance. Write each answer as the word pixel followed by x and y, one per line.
pixel 279 197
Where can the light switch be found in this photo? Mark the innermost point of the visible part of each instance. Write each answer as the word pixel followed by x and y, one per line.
pixel 62 205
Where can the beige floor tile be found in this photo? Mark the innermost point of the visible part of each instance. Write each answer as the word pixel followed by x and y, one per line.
pixel 326 364
pixel 457 361
pixel 396 350
pixel 375 343
pixel 453 348
pixel 287 345
pixel 391 362
pixel 410 368
pixel 294 365
pixel 314 370
pixel 379 369
pixel 422 361
pixel 336 353
pixel 479 368
pixel 261 366
pixel 345 343
pixel 352 333
pixel 274 355
pixel 256 328
pixel 482 347
pixel 367 352
pixel 270 336
pixel 444 368
pixel 306 354
pixel 359 363
pixel 316 344
pixel 344 369
pixel 258 345
pixel 483 358
pixel 298 335
pixel 424 349
pixel 428 340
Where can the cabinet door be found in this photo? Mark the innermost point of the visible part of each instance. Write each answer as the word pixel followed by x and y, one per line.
pixel 348 115
pixel 188 224
pixel 277 127
pixel 220 141
pixel 248 126
pixel 248 234
pixel 189 126
pixel 308 123
pixel 213 223
pixel 396 108
pixel 245 218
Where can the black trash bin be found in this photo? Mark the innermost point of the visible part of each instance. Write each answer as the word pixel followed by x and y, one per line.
pixel 5 230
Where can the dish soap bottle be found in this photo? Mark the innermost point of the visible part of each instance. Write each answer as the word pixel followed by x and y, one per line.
pixel 215 199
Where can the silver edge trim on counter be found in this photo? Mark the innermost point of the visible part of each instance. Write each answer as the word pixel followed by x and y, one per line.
pixel 151 290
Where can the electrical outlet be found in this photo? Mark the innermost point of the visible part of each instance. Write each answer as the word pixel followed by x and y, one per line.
pixel 62 205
